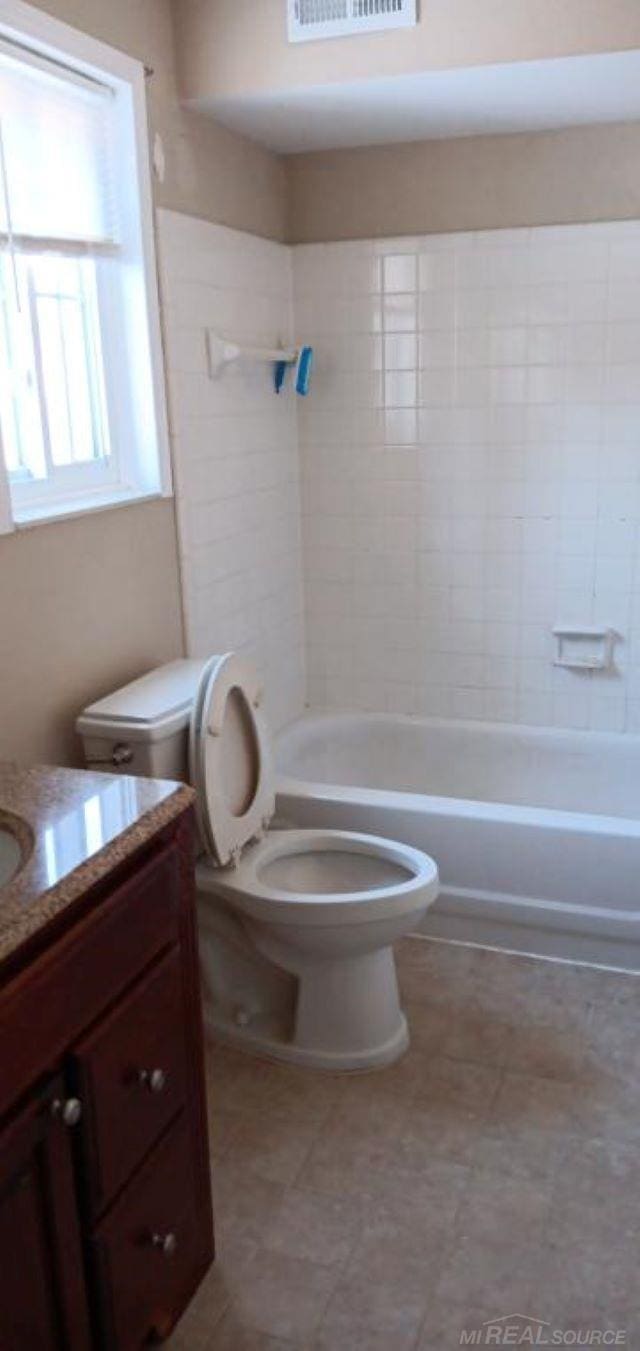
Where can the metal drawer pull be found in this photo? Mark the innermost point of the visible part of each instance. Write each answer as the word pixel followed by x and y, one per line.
pixel 165 1243
pixel 69 1111
pixel 154 1080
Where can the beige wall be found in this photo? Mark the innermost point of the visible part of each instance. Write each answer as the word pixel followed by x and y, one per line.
pixel 210 171
pixel 581 174
pixel 230 47
pixel 89 603
pixel 84 605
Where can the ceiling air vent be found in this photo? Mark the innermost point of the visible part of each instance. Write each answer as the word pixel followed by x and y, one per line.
pixel 311 20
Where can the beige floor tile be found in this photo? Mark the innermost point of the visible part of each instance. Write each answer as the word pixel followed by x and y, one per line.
pixel 343 1329
pixel 366 1116
pixel 272 1146
pixel 305 1095
pixel 612 1043
pixel 476 1034
pixel 433 973
pixel 361 1305
pixel 498 1210
pixel 418 1219
pixel 547 1051
pixel 495 1167
pixel 436 1185
pixel 372 1168
pixel 599 1172
pixel 249 1084
pixel 428 1027
pixel 405 1271
pixel 223 1067
pixel 222 1062
pixel 339 1167
pixel 444 1324
pixel 502 986
pixel 212 1299
pixel 611 1224
pixel 513 1149
pixel 497 1274
pixel 244 1203
pixel 454 1083
pixel 607 1106
pixel 284 1296
pixel 586 1273
pixel 499 1229
pixel 232 1335
pixel 396 1081
pixel 558 994
pixel 584 1316
pixel 255 1085
pixel 387 1256
pixel 449 1112
pixel 439 1134
pixel 545 1105
pixel 222 1127
pixel 323 1229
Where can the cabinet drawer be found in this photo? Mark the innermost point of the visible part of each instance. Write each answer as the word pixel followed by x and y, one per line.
pixel 149 1252
pixel 82 974
pixel 130 1073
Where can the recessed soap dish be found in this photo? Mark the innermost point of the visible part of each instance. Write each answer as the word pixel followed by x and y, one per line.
pixel 584 649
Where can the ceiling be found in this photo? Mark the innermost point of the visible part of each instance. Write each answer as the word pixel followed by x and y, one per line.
pixel 476 100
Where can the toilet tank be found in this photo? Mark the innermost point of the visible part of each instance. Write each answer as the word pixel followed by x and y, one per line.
pixel 143 728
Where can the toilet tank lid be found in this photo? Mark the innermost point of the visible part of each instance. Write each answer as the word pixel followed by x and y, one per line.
pixel 154 706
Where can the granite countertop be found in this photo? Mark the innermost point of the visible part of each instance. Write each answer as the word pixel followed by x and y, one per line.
pixel 74 826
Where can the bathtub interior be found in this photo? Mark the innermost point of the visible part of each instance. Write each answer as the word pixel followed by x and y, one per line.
pixel 591 772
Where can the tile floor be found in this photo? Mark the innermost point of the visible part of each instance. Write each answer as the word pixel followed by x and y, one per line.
pixel 494 1170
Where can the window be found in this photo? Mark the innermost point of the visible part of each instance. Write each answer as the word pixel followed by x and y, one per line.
pixel 82 405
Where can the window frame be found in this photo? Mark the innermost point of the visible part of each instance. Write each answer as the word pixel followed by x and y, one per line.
pixel 83 478
pixel 130 325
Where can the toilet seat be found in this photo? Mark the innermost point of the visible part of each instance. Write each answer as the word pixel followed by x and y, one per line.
pixel 230 757
pixel 406 874
pixel 300 876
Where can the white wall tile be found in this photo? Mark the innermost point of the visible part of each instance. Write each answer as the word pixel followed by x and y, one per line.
pixel 517 502
pixel 469 458
pixel 235 452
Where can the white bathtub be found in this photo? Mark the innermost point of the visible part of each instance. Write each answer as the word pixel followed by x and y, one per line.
pixel 536 832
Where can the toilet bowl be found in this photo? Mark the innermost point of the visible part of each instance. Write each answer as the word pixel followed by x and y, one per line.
pixel 296 926
pixel 327 906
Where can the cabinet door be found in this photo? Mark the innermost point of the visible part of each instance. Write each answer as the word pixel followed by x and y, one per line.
pixel 42 1296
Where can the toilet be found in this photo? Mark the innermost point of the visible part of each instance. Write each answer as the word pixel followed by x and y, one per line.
pixel 296 926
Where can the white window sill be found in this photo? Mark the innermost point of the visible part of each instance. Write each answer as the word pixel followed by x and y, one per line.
pixel 25 518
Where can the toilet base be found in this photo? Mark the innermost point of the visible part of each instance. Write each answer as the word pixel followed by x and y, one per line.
pixel 265 1041
pixel 264 992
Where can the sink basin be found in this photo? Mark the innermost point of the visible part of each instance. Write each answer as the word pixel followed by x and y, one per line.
pixel 11 856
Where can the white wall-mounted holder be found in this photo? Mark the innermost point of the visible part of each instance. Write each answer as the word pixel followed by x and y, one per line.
pixel 222 352
pixel 584 649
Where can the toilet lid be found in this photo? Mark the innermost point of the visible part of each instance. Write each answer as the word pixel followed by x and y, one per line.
pixel 231 766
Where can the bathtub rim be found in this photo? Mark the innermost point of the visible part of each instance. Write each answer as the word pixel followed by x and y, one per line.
pixel 549 818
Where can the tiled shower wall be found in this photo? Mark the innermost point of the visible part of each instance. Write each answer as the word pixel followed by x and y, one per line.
pixel 235 453
pixel 470 459
pixel 471 471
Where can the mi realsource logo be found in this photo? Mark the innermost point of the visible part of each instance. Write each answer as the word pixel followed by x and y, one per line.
pixel 520 1330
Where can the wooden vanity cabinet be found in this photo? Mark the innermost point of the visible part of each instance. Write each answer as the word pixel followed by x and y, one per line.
pixel 42 1295
pixel 105 1203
